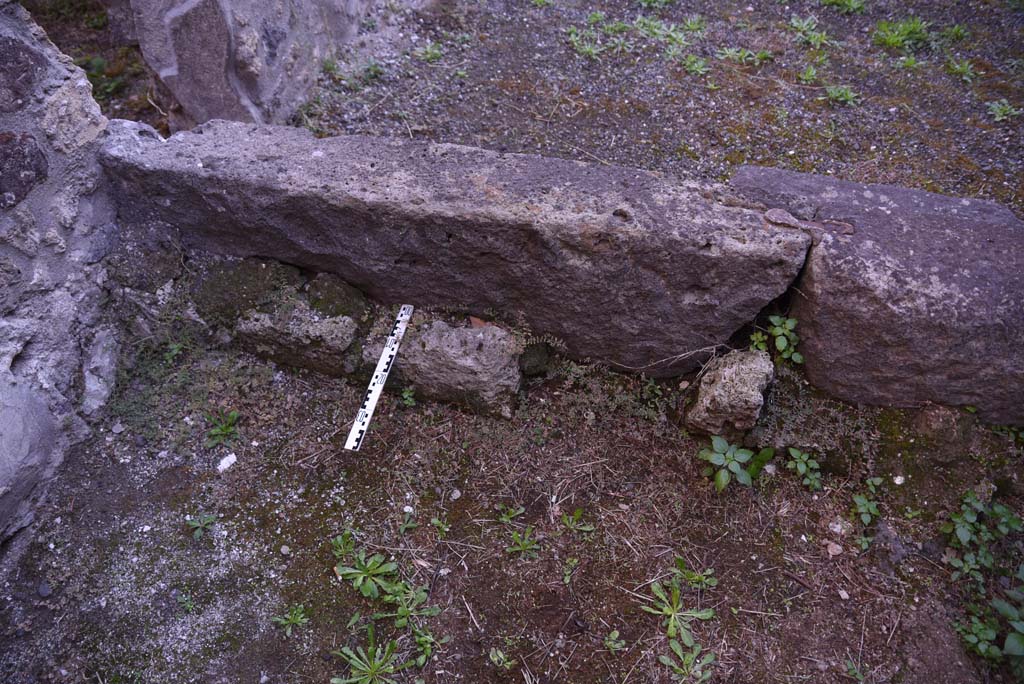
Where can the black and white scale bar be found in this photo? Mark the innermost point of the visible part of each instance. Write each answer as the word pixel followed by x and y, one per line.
pixel 380 376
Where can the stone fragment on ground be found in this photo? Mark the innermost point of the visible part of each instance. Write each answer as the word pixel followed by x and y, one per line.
pixel 731 393
pixel 922 301
pixel 294 334
pixel 476 367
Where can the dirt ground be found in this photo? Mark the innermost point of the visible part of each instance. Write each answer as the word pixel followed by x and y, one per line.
pixel 113 586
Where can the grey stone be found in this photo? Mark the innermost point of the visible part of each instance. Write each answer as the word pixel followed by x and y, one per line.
pixel 922 301
pixel 731 393
pixel 11 285
pixel 296 335
pixel 21 70
pixel 621 265
pixel 246 60
pixel 28 435
pixel 71 118
pixel 100 370
pixel 22 167
pixel 44 589
pixel 475 367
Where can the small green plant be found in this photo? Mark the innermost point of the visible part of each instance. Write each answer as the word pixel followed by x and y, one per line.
pixel 1002 110
pixel 957 33
pixel 586 43
pixel 759 461
pixel 977 524
pixel 441 526
pixel 507 514
pixel 853 671
pixel 841 95
pixel 369 575
pixel 499 659
pixel 961 68
pixel 613 643
pixel 649 27
pixel 910 63
pixel 541 3
pixel 575 522
pixel 967 567
pixel 200 524
pixel 408 603
pixel 294 618
pixel 729 460
pixel 865 508
pixel 343 545
pixel 426 644
pixel 694 24
pixel 185 602
pixel 595 18
pixel 807 33
pixel 695 66
pixel 377 664
pixel 569 569
pixel 225 428
pixel 1013 645
pixel 783 332
pixel 806 467
pixel 174 349
pixel 409 397
pixel 688 665
pixel 329 66
pixel 429 53
pixel 523 544
pixel 807 77
pixel 758 340
pixel 615 28
pixel 695 579
pixel 655 4
pixel 845 6
pixel 980 634
pixel 669 606
pixel 408 523
pixel 905 35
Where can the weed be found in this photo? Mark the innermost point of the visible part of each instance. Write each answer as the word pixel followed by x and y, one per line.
pixel 910 63
pixel 905 35
pixel 409 397
pixel 613 643
pixel 783 331
pixel 977 524
pixel 695 579
pixel 595 18
pixel 853 671
pixel 343 545
pixel 980 634
pixel 675 36
pixel 620 45
pixel 695 66
pixel 957 33
pixel 806 33
pixel 375 665
pixel 499 659
pixel 729 459
pixel 845 6
pixel 967 567
pixel 174 350
pixel 225 428
pixel 441 525
pixel 200 524
pixel 744 56
pixel 648 27
pixel 758 340
pixel 961 68
pixel 1013 646
pixel 669 606
pixel 655 4
pixel 407 524
pixel 372 71
pixel 806 467
pixel 426 644
pixel 585 43
pixel 507 514
pixel 369 575
pixel 569 568
pixel 524 544
pixel 694 24
pixel 843 95
pixel 760 460
pixel 688 665
pixel 408 601
pixel 329 66
pixel 429 53
pixel 575 522
pixel 185 602
pixel 1002 110
pixel 865 508
pixel 295 617
pixel 615 28
pixel 541 3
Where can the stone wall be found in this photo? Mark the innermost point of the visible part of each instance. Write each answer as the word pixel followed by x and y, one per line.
pixel 244 60
pixel 56 356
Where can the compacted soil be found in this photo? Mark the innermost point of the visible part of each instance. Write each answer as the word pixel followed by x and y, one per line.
pixel 782 584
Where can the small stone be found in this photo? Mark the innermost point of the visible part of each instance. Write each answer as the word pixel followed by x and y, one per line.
pixel 455 494
pixel 844 595
pixel 44 590
pixel 898 480
pixel 834 549
pixel 285 550
pixel 226 462
pixel 731 393
pixel 117 428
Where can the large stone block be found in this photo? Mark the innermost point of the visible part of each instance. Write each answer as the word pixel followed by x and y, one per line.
pixel 245 60
pixel 920 298
pixel 623 265
pixel 28 437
